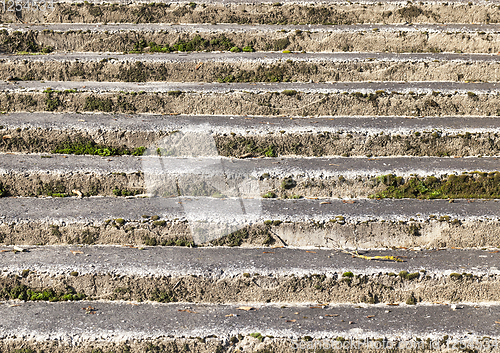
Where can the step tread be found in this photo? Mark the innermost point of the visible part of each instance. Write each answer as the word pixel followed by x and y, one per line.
pixel 237 28
pixel 315 167
pixel 74 210
pixel 255 57
pixel 230 262
pixel 333 87
pixel 247 125
pixel 120 321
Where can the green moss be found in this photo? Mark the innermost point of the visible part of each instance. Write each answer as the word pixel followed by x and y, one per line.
pixel 124 192
pixel 233 239
pixel 149 241
pixel 102 105
pixel 3 190
pixel 269 195
pixel 348 274
pixel 467 185
pixel 163 296
pixel 257 335
pixel 177 242
pixel 197 43
pixel 289 92
pixel 174 93
pixel 23 292
pixel 409 276
pixel 411 300
pixel 91 148
pixel 288 183
pixel 120 221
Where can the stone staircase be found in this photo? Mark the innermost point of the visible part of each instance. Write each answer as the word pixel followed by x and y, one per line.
pixel 258 177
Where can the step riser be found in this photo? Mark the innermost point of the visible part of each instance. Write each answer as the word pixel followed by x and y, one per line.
pixel 365 235
pixel 239 182
pixel 275 40
pixel 243 103
pixel 249 71
pixel 329 141
pixel 264 13
pixel 287 288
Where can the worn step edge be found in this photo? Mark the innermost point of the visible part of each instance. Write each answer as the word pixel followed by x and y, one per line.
pixel 356 38
pixel 331 224
pixel 251 67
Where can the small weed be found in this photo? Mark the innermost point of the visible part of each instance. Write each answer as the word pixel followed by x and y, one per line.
pixel 288 183
pixel 91 148
pixel 348 274
pixel 289 92
pixel 257 335
pixel 174 93
pixel 269 195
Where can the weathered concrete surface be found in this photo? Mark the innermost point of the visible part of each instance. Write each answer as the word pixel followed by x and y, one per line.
pixel 251 67
pixel 123 37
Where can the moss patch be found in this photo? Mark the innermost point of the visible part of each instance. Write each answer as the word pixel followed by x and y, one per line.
pixel 468 185
pixel 25 293
pixel 91 148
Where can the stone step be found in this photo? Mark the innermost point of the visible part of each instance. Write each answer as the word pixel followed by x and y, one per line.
pixel 330 223
pixel 251 67
pixel 251 275
pixel 63 175
pixel 292 99
pixel 123 37
pixel 307 12
pixel 144 327
pixel 247 136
